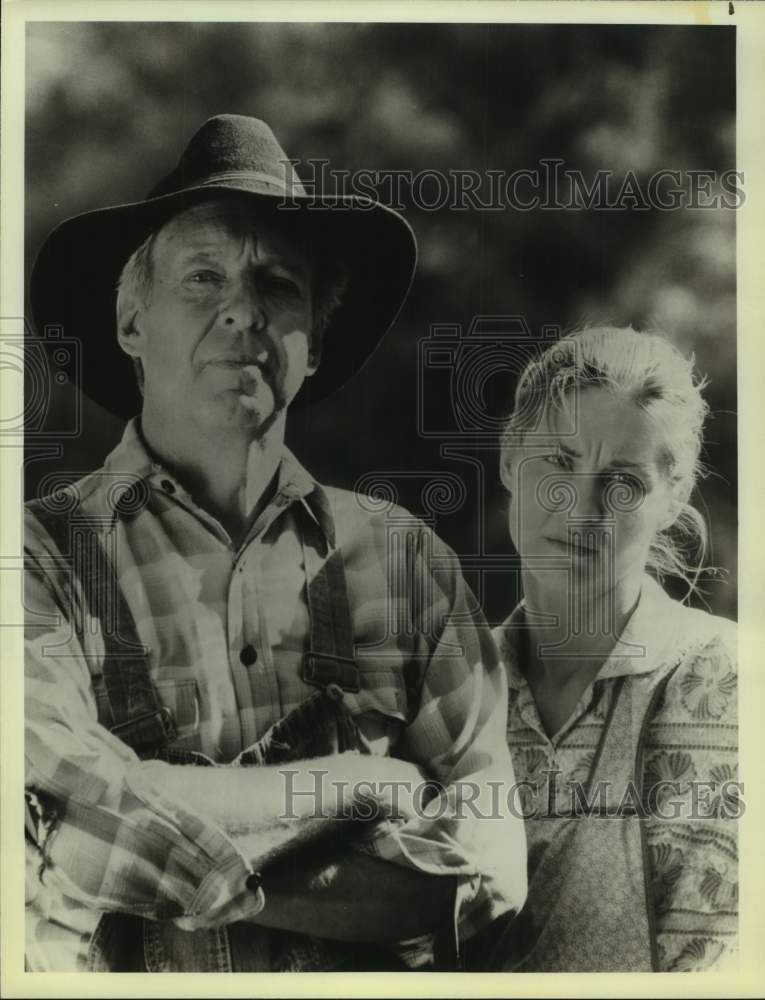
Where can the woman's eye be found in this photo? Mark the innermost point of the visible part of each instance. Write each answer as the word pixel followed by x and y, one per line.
pixel 556 459
pixel 628 479
pixel 204 277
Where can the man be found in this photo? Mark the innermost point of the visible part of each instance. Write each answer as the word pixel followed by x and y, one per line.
pixel 202 600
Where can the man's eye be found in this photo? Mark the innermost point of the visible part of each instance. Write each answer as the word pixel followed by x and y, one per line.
pixel 557 459
pixel 282 286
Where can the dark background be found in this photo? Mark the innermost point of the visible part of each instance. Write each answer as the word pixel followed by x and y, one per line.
pixel 111 105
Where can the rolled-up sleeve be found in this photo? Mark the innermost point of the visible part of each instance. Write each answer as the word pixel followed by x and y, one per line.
pixel 468 828
pixel 106 836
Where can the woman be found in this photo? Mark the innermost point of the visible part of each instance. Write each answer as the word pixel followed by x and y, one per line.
pixel 622 719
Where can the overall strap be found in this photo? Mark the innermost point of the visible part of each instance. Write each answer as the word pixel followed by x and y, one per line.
pixel 329 663
pixel 137 716
pixel 330 658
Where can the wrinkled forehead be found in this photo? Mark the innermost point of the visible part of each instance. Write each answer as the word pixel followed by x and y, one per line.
pixel 597 419
pixel 231 224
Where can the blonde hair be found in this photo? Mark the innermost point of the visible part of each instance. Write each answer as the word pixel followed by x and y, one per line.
pixel 653 374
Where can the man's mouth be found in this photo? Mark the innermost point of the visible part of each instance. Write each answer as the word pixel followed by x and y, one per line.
pixel 251 370
pixel 238 361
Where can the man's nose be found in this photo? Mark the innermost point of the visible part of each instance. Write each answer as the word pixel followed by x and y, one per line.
pixel 245 308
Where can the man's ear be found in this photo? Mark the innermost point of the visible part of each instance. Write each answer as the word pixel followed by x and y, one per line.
pixel 129 335
pixel 315 346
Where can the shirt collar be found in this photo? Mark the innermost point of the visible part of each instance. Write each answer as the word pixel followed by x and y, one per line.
pixel 511 644
pixel 296 484
pixel 132 464
pixel 649 635
pixel 131 456
pixel 644 644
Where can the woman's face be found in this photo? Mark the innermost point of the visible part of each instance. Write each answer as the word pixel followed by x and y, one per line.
pixel 588 499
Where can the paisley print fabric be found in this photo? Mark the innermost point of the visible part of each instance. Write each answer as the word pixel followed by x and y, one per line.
pixel 687 785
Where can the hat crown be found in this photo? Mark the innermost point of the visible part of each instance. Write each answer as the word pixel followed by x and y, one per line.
pixel 231 144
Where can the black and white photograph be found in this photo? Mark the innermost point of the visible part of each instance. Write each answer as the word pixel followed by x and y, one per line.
pixel 375 403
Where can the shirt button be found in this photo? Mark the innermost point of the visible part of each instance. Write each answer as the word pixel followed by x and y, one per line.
pixel 248 655
pixel 167 486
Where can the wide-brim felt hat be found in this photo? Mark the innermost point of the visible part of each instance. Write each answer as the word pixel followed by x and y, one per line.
pixel 73 287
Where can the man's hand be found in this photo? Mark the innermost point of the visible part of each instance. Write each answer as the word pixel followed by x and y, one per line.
pixel 329 890
pixel 340 894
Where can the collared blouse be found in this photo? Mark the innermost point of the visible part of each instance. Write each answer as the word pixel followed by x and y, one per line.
pixel 690 768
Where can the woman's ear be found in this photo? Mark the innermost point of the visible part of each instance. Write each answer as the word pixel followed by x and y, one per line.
pixel 675 502
pixel 669 519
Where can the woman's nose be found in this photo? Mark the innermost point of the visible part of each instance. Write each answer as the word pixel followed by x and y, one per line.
pixel 588 500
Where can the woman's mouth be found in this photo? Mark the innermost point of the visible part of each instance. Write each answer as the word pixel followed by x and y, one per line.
pixel 572 545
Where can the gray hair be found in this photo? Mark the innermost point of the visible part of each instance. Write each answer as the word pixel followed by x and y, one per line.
pixel 134 285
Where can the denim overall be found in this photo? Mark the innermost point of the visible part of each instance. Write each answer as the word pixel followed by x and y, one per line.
pixel 319 725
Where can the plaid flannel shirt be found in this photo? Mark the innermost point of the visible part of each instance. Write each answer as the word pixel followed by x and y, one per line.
pixel 110 841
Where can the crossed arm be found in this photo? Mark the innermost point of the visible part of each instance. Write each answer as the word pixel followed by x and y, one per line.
pixel 188 827
pixel 314 882
pixel 179 844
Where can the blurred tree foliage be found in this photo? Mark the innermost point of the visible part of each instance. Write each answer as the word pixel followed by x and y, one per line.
pixel 111 105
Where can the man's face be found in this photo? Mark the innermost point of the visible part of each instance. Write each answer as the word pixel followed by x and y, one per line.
pixel 225 334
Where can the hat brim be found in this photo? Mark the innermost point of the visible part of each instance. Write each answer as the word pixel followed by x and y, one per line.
pixel 73 286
